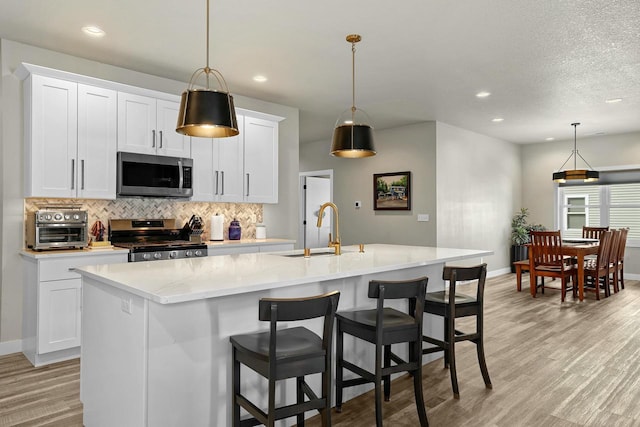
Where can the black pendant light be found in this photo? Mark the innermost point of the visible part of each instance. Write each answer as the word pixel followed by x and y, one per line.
pixel 353 136
pixel 586 175
pixel 206 112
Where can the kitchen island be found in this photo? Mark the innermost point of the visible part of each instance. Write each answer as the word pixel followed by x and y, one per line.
pixel 155 336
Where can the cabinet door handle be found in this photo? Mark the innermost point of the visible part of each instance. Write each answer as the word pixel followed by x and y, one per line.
pixel 216 193
pixel 160 140
pixel 153 139
pixel 73 174
pixel 247 184
pixel 180 175
pixel 82 174
pixel 222 192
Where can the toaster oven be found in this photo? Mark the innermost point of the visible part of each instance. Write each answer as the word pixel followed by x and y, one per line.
pixel 57 229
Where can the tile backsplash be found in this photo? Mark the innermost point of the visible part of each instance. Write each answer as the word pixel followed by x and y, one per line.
pixel 247 213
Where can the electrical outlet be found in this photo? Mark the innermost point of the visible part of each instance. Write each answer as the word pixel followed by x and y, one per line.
pixel 423 217
pixel 126 306
pixel 358 204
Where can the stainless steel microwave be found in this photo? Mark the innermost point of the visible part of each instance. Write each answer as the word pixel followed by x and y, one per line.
pixel 154 176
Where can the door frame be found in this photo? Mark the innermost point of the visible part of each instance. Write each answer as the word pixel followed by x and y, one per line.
pixel 326 173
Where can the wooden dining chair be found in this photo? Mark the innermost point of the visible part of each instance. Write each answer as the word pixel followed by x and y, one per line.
pixel 593 232
pixel 546 260
pixel 595 269
pixel 619 264
pixel 613 261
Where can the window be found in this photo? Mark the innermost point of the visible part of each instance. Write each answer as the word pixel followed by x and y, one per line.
pixel 615 205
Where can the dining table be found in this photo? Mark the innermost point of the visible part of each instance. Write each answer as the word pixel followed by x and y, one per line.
pixel 578 251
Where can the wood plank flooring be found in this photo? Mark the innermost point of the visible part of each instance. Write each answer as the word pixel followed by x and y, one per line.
pixel 551 364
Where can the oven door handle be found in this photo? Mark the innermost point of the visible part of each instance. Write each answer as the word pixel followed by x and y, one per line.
pixel 180 174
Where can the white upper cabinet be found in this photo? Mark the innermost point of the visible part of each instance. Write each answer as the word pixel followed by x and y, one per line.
pixel 218 168
pixel 148 126
pixel 70 132
pixel 242 168
pixel 260 160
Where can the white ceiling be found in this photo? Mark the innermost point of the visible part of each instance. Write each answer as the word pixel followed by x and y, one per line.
pixel 547 63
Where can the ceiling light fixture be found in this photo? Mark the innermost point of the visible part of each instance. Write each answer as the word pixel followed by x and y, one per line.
pixel 353 136
pixel 93 31
pixel 483 94
pixel 259 79
pixel 497 120
pixel 549 138
pixel 586 175
pixel 613 100
pixel 206 112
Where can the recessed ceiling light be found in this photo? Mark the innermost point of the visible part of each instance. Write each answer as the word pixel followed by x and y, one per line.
pixel 497 119
pixel 259 79
pixel 483 94
pixel 613 100
pixel 93 31
pixel 549 139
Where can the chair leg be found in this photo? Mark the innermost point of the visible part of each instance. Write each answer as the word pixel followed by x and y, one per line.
pixel 451 339
pixel 387 378
pixel 299 400
pixel 325 414
pixel 378 385
pixel 415 349
pixel 622 277
pixel 339 343
pixel 446 348
pixel 271 415
pixel 481 360
pixel 236 389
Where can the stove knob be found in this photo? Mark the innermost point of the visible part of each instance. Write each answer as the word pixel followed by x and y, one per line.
pixel 47 217
pixel 76 216
pixel 199 252
pixel 146 257
pixel 57 217
pixel 67 217
pixel 157 255
pixel 188 253
pixel 173 254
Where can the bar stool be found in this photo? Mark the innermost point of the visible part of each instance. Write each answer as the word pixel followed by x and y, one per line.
pixel 384 326
pixel 451 305
pixel 287 353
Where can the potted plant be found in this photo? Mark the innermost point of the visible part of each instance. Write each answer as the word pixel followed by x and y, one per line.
pixel 520 236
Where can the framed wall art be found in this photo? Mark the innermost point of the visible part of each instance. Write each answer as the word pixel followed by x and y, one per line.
pixel 392 191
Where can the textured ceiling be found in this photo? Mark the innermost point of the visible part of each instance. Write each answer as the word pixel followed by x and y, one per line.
pixel 547 63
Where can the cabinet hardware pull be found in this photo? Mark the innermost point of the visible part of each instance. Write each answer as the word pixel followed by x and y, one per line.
pixel 153 140
pixel 180 175
pixel 216 193
pixel 73 174
pixel 222 192
pixel 160 141
pixel 82 168
pixel 247 184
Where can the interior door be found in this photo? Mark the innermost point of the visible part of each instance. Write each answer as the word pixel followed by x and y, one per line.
pixel 317 192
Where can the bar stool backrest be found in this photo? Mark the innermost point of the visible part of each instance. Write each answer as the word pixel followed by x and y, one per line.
pixel 413 290
pixel 454 274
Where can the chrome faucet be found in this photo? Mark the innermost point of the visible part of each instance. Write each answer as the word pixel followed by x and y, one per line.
pixel 335 244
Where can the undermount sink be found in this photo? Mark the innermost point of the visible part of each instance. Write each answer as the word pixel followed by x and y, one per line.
pixel 314 253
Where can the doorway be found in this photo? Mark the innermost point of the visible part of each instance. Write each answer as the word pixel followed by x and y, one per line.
pixel 316 188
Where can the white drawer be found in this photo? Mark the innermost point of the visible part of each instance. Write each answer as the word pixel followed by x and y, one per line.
pixel 58 269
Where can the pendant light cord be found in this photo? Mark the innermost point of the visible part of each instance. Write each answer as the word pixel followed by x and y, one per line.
pixel 207 69
pixel 353 80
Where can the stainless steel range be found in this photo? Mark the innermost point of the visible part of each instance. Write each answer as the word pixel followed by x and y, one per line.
pixel 153 239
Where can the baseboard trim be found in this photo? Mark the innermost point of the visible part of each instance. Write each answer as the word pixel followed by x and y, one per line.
pixel 496 273
pixel 632 276
pixel 9 347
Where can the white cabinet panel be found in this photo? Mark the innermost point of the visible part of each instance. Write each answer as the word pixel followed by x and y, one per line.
pixel 148 126
pixel 260 160
pixel 59 315
pixel 277 248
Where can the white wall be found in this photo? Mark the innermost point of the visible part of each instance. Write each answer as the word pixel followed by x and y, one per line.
pixel 478 186
pixel 539 161
pixel 408 148
pixel 277 217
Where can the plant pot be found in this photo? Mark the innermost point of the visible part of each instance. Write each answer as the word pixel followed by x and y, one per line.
pixel 518 253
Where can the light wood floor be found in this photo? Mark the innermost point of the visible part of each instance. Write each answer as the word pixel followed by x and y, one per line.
pixel 551 364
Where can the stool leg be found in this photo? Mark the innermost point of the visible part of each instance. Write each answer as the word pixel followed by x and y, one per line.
pixel 325 413
pixel 446 348
pixel 387 378
pixel 271 415
pixel 480 350
pixel 339 343
pixel 415 352
pixel 451 339
pixel 300 400
pixel 236 389
pixel 378 384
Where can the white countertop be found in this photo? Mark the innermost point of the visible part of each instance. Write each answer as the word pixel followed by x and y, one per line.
pixel 174 281
pixel 212 244
pixel 65 253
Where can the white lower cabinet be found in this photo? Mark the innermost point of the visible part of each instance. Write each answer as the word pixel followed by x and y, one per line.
pixel 249 248
pixel 52 305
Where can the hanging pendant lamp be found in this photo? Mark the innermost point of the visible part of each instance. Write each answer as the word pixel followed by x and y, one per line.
pixel 353 136
pixel 586 175
pixel 207 112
